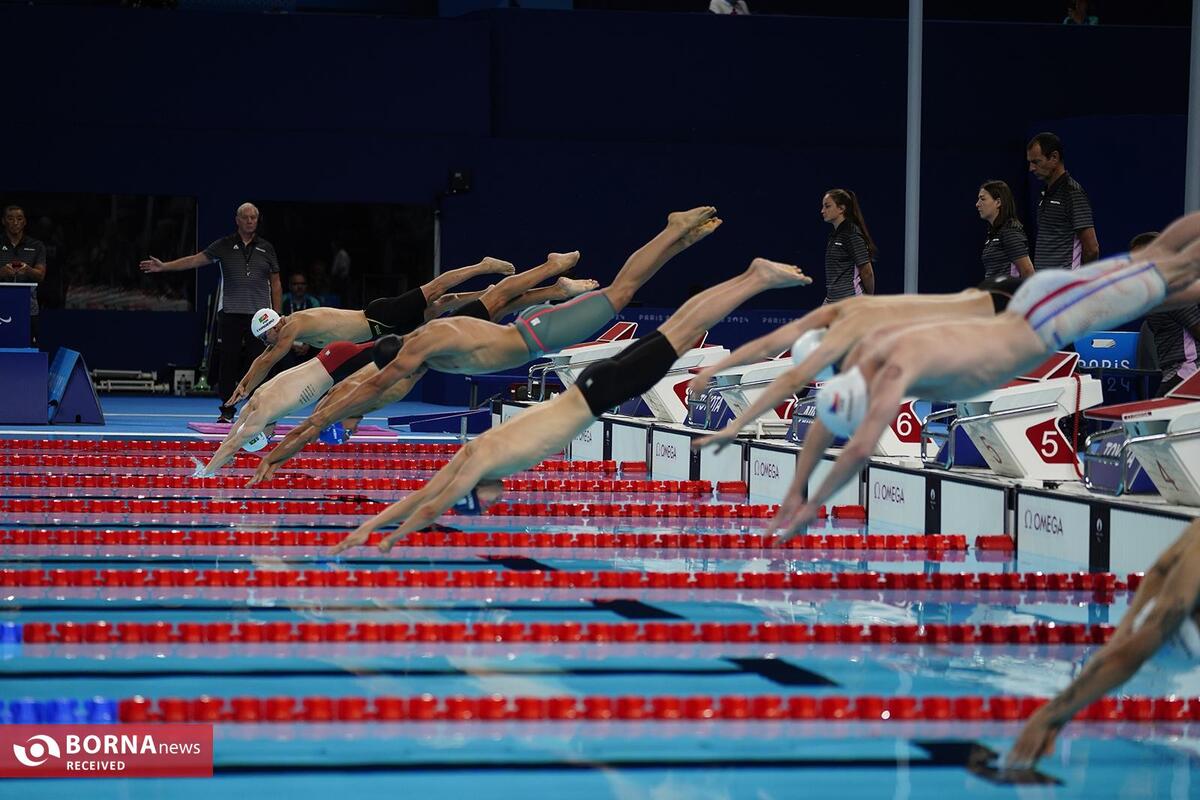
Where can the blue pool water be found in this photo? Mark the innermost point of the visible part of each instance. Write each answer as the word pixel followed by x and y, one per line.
pixel 712 758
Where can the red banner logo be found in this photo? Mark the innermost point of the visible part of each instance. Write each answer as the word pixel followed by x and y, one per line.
pixel 106 751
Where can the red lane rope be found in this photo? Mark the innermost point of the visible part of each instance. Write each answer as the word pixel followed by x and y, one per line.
pixel 232 481
pixel 248 633
pixel 1105 583
pixel 274 508
pixel 497 708
pixel 338 460
pixel 123 446
pixel 935 542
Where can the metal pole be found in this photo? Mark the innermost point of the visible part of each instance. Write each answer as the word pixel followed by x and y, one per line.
pixel 437 236
pixel 1191 192
pixel 912 161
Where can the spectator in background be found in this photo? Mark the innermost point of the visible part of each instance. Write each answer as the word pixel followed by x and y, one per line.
pixel 298 299
pixel 849 251
pixel 1005 249
pixel 1077 14
pixel 1066 234
pixel 249 281
pixel 1175 332
pixel 734 7
pixel 22 260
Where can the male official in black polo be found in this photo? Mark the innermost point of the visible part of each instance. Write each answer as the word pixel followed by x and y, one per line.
pixel 249 281
pixel 22 260
pixel 1066 236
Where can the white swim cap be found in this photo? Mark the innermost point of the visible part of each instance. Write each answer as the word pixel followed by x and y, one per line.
pixel 264 320
pixel 806 343
pixel 256 444
pixel 842 402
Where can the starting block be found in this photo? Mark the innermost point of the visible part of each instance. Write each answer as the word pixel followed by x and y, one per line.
pixel 1154 440
pixel 904 438
pixel 1015 427
pixel 739 388
pixel 668 399
pixel 570 361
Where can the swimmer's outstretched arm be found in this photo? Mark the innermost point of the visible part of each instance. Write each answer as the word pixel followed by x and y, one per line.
pixel 242 431
pixel 887 390
pixel 816 442
pixel 425 505
pixel 365 395
pixel 293 443
pixel 835 344
pixel 1118 660
pixel 261 366
pixel 1153 580
pixel 765 347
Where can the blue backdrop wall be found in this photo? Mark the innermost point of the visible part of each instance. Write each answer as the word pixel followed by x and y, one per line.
pixel 581 130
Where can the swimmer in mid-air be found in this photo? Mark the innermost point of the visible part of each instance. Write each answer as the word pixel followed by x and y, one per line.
pixel 284 394
pixel 1165 610
pixel 344 365
pixel 473 347
pixel 401 314
pixel 958 359
pixel 823 336
pixel 473 476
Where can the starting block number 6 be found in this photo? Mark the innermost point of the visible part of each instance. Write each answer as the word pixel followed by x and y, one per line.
pixel 906 425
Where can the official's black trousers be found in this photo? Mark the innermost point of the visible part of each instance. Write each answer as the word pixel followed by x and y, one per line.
pixel 238 349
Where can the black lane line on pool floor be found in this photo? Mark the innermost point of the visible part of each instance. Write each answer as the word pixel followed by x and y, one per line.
pixel 635 609
pixel 519 563
pixel 949 754
pixel 790 676
pixel 779 671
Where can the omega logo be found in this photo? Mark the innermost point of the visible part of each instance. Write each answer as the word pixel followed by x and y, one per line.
pixel 664 450
pixel 766 469
pixel 586 436
pixel 883 491
pixel 1050 523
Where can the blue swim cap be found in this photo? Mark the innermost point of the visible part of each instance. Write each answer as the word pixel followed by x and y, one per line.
pixel 334 434
pixel 469 506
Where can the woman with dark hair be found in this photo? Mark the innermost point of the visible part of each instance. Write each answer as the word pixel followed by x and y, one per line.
pixel 850 251
pixel 1006 249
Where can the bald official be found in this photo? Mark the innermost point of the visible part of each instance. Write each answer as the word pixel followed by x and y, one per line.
pixel 249 281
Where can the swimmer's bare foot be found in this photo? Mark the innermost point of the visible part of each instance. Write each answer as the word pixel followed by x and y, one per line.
pixel 561 262
pixel 494 266
pixel 686 220
pixel 573 287
pixel 693 235
pixel 776 275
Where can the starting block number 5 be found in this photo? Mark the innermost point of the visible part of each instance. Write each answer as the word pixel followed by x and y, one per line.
pixel 1050 444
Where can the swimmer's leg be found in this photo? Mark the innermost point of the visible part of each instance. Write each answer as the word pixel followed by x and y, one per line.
pixel 451 302
pixel 563 289
pixel 709 307
pixel 1181 270
pixel 451 278
pixel 496 298
pixel 1178 235
pixel 684 228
